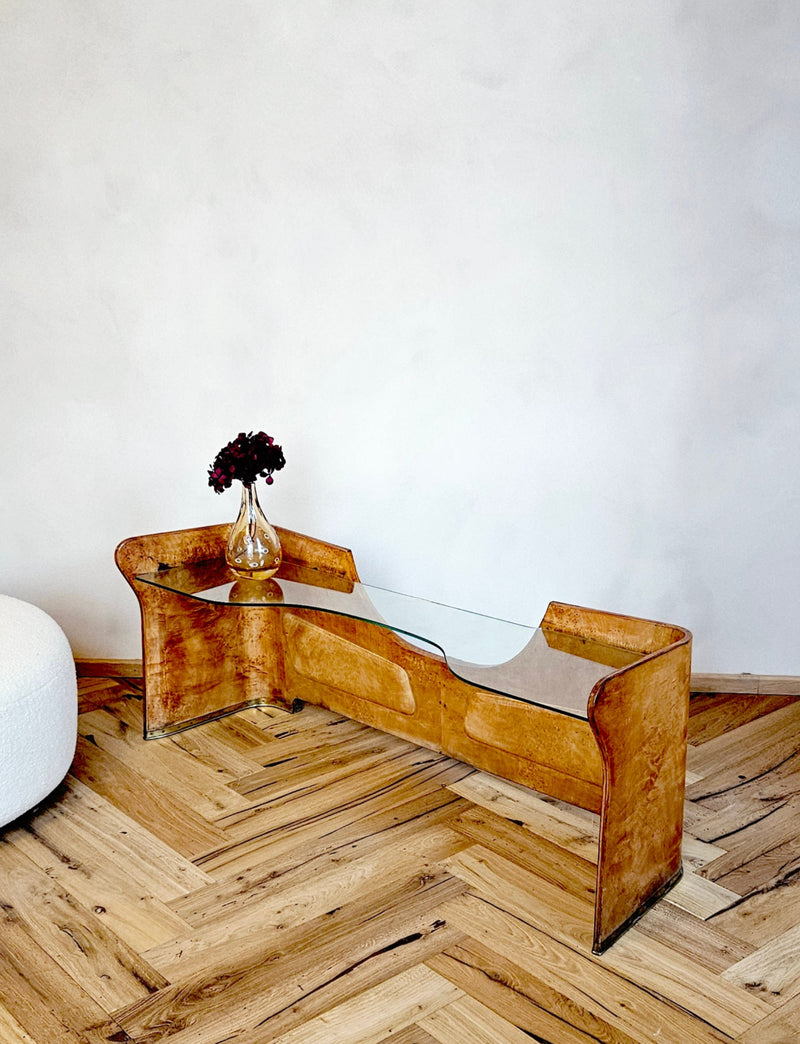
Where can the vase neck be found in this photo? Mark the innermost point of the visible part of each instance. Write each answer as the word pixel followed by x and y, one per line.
pixel 250 498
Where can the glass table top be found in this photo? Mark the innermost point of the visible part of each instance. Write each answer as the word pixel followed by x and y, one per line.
pixel 515 660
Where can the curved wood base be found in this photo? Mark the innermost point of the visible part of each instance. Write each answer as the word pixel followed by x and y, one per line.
pixel 626 760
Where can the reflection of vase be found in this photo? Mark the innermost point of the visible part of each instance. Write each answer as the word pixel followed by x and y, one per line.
pixel 254 549
pixel 255 592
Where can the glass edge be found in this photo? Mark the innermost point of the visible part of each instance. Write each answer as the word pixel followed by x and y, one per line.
pixel 389 627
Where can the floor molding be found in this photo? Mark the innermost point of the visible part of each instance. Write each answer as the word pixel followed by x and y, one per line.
pixel 750 684
pixel 86 668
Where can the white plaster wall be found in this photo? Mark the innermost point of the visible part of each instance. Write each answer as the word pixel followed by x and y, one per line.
pixel 514 282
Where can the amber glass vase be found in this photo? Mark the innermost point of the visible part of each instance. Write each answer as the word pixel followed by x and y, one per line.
pixel 254 550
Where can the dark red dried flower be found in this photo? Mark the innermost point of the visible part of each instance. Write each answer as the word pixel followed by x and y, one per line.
pixel 247 457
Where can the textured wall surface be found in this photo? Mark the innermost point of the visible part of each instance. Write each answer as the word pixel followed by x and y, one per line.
pixel 514 283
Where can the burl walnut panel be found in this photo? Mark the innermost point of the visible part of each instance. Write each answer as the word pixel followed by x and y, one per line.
pixel 625 759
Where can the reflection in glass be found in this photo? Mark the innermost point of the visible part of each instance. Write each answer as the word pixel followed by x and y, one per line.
pixel 515 660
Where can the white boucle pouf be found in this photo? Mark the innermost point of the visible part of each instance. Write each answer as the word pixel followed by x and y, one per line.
pixel 38 706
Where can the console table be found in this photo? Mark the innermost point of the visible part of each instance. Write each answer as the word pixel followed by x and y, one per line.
pixel 590 707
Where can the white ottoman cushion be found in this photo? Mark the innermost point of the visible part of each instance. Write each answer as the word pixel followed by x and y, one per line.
pixel 38 706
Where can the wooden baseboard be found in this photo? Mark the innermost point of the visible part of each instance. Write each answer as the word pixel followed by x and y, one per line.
pixel 108 668
pixel 750 684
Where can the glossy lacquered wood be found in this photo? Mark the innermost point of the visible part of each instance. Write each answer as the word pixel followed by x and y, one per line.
pixel 625 760
pixel 202 660
pixel 639 716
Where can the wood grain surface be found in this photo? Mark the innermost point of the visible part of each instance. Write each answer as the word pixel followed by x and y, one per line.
pixel 311 880
pixel 619 748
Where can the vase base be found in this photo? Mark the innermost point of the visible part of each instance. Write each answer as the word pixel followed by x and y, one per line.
pixel 254 574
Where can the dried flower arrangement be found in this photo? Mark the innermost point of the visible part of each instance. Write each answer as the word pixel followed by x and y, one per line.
pixel 246 458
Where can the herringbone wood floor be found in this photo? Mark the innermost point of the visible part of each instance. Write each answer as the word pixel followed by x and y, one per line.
pixel 299 879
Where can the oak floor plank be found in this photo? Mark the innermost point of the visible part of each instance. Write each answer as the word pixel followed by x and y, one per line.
pixel 763 848
pixel 224 750
pixel 751 800
pixel 235 734
pixel 569 920
pixel 470 1022
pixel 245 990
pixel 304 865
pixel 286 872
pixel 412 1034
pixel 392 869
pixel 764 915
pixel 313 797
pixel 702 942
pixel 529 851
pixel 377 969
pixel 43 998
pixel 522 998
pixel 197 787
pixel 700 822
pixel 227 748
pixel 714 714
pixel 304 745
pixel 99 692
pixel 752 779
pixel 109 970
pixel 557 911
pixel 89 685
pixel 728 825
pixel 141 798
pixel 295 731
pixel 699 896
pixel 278 724
pixel 262 716
pixel 782 1027
pixel 383 1010
pixel 768 740
pixel 408 797
pixel 10 1030
pixel 108 864
pixel 289 776
pixel 697 854
pixel 767 871
pixel 659 968
pixel 79 825
pixel 570 830
pixel 596 994
pixel 773 969
pixel 279 757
